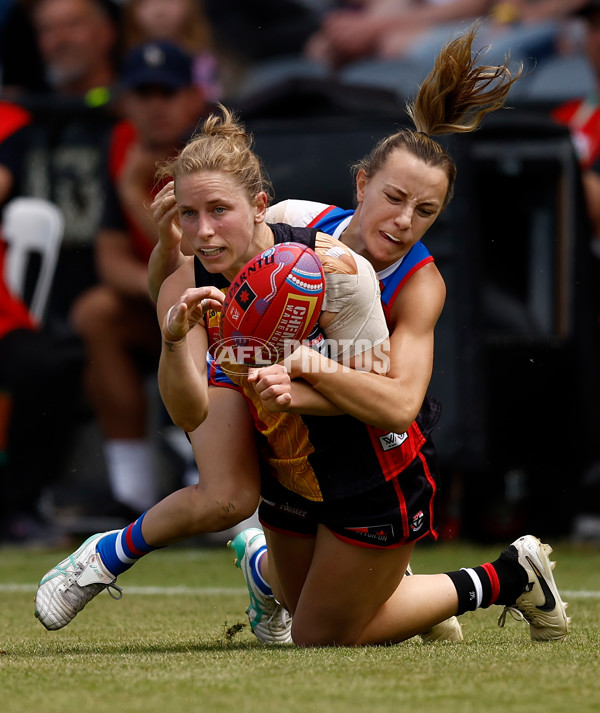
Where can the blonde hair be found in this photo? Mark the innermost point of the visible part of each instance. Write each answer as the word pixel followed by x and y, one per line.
pixel 221 145
pixel 454 98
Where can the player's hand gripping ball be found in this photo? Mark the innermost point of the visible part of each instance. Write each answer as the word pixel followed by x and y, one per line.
pixel 273 303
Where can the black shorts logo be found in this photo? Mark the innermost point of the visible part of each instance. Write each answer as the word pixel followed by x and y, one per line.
pixel 417 521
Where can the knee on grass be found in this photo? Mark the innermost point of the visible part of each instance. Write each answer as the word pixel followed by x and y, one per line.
pixel 315 633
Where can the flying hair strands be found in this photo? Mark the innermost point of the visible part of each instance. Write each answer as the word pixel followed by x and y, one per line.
pixel 457 93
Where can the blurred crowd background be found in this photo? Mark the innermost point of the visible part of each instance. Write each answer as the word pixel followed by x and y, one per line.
pixel 93 93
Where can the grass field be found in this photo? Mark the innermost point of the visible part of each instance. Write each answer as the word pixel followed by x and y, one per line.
pixel 170 645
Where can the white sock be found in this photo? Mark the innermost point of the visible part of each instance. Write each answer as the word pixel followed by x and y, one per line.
pixel 130 467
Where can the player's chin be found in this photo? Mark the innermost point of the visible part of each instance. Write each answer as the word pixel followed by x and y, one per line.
pixel 386 240
pixel 213 264
pixel 213 269
pixel 386 250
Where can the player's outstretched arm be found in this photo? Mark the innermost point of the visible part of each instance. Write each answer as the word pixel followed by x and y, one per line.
pixel 182 375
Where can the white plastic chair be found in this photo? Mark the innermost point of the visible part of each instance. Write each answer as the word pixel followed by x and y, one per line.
pixel 32 225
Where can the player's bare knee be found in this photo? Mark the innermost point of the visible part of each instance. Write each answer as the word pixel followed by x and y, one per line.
pixel 224 506
pixel 245 501
pixel 236 499
pixel 238 507
pixel 312 631
pixel 314 637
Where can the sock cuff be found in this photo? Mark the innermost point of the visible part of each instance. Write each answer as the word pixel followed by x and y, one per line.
pixel 135 539
pixel 465 590
pixel 259 580
pixel 132 541
pixel 119 550
pixel 476 585
pixel 490 570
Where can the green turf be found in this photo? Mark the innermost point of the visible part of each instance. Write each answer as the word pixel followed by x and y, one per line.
pixel 178 650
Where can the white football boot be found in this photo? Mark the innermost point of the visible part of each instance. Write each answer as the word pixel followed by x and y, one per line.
pixel 269 621
pixel 72 583
pixel 540 604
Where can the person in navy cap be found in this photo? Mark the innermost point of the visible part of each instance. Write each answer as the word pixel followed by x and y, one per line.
pixel 157 63
pixel 116 319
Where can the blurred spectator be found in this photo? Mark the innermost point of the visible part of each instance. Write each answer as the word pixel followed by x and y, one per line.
pixel 393 43
pixel 531 31
pixel 77 43
pixel 117 319
pixel 582 116
pixel 40 377
pixel 55 151
pixel 389 28
pixel 182 22
pixel 65 46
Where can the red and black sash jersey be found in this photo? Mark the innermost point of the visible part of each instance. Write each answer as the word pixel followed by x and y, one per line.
pixel 323 457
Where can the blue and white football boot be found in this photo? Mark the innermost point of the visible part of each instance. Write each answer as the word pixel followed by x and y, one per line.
pixel 72 583
pixel 269 621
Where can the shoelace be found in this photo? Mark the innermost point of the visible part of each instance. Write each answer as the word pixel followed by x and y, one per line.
pixel 516 614
pixel 283 621
pixel 118 589
pixel 92 589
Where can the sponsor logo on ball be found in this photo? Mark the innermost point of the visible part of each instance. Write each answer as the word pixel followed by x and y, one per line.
pixel 295 317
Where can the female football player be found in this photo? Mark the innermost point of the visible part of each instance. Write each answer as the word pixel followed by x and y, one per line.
pixel 341 536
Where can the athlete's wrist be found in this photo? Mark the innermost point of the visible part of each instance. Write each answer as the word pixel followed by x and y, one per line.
pixel 171 343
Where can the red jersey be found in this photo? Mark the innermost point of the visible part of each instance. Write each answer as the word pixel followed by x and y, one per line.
pixel 582 116
pixel 13 311
pixel 12 118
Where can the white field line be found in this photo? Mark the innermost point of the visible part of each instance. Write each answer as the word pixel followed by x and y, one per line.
pixel 8 587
